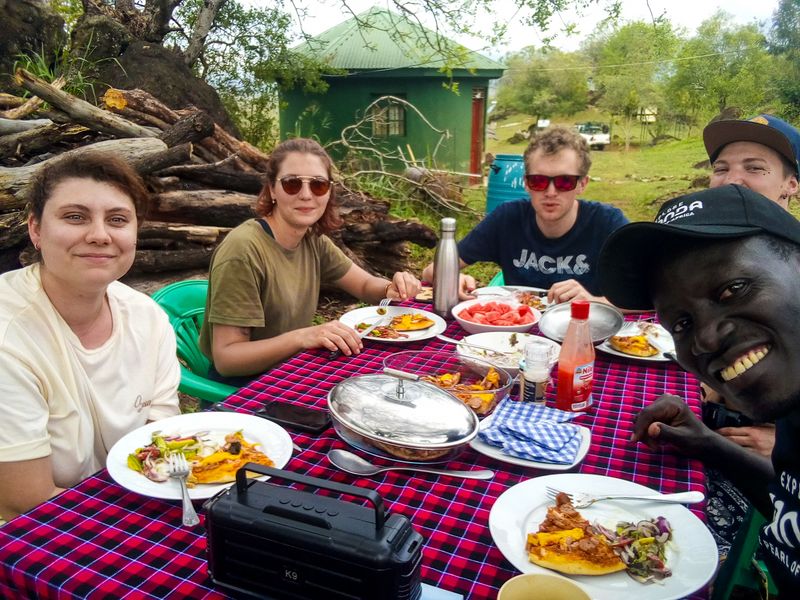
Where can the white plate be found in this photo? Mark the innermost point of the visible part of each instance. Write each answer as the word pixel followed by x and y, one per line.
pixel 508 290
pixel 691 555
pixel 369 314
pixel 655 333
pixel 494 452
pixel 271 437
pixel 501 341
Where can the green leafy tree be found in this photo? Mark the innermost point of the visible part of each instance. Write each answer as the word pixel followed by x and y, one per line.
pixel 542 82
pixel 723 65
pixel 784 43
pixel 631 64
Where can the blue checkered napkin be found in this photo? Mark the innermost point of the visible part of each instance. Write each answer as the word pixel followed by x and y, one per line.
pixel 534 432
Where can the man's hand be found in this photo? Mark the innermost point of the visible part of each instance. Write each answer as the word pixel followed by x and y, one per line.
pixel 669 421
pixel 565 291
pixel 404 286
pixel 758 438
pixel 466 285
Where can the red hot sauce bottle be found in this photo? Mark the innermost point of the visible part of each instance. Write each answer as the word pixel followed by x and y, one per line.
pixel 576 362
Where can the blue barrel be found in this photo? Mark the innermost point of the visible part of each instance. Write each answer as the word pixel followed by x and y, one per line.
pixel 506 180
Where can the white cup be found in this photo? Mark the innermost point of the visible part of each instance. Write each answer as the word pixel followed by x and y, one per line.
pixel 538 586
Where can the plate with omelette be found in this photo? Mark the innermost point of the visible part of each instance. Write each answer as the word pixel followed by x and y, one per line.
pixel 223 442
pixel 531 529
pixel 640 340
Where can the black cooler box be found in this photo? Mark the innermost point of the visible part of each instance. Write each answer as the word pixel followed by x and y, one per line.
pixel 276 542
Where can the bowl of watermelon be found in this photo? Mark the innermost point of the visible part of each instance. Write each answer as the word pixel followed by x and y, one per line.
pixel 480 316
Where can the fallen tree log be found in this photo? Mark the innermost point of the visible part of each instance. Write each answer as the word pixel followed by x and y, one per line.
pixel 222 208
pixel 10 100
pixel 156 161
pixel 9 126
pixel 13 180
pixel 218 177
pixel 193 127
pixel 37 139
pixel 80 110
pixel 197 234
pixel 159 261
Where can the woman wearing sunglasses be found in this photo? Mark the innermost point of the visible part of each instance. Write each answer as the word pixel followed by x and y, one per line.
pixel 265 277
pixel 550 240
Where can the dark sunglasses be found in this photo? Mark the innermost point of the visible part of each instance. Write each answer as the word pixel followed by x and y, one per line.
pixel 563 183
pixel 292 184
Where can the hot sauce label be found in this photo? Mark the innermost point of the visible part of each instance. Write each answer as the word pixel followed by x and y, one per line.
pixel 582 386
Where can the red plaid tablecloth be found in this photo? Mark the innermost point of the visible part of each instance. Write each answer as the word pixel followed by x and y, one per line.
pixel 98 540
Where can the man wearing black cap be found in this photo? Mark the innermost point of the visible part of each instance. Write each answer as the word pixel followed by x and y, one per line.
pixel 761 153
pixel 720 268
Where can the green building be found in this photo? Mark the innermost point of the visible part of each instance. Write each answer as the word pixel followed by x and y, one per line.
pixel 392 56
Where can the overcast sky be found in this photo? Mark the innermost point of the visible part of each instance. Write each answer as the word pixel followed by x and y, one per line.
pixel 685 13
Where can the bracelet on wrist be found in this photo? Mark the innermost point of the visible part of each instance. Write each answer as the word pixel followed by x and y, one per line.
pixel 386 291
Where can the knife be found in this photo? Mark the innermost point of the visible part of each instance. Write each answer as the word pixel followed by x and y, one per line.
pixel 379 323
pixel 361 334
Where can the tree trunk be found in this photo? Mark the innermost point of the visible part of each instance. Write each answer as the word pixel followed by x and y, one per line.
pixel 13 181
pixel 218 177
pixel 38 139
pixel 80 110
pixel 193 127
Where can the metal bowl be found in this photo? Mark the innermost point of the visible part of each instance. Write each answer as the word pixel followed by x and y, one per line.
pixel 393 418
pixel 604 321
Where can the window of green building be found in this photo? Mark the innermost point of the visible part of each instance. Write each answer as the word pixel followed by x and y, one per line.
pixel 388 119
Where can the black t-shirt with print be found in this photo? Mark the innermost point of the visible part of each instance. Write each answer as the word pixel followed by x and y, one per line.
pixel 780 539
pixel 510 237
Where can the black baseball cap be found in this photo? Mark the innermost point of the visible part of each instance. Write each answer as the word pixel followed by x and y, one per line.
pixel 726 212
pixel 766 130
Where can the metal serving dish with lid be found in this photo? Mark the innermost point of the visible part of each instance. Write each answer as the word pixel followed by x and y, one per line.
pixel 396 416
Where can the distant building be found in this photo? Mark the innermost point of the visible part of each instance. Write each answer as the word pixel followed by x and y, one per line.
pixel 394 57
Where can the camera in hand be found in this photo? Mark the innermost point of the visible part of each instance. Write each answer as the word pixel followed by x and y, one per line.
pixel 716 416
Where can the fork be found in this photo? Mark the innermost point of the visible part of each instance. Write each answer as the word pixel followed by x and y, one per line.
pixel 178 469
pixel 382 306
pixel 584 500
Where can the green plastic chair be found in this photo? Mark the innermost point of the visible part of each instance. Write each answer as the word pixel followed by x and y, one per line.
pixel 185 304
pixel 497 279
pixel 741 568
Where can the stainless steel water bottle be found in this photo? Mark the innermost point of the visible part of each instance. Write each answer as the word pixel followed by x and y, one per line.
pixel 445 270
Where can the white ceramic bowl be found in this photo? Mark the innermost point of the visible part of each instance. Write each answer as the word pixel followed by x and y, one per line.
pixel 472 327
pixel 511 343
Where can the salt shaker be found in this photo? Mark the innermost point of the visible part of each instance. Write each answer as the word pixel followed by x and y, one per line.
pixel 445 270
pixel 535 373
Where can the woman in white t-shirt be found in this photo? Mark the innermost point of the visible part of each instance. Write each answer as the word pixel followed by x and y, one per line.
pixel 84 359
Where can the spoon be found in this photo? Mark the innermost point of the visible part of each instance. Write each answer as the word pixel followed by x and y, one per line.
pixel 351 463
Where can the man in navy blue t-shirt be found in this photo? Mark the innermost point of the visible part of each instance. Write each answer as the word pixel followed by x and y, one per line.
pixel 552 239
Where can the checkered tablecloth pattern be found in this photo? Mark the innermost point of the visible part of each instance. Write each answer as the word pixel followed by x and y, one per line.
pixel 98 540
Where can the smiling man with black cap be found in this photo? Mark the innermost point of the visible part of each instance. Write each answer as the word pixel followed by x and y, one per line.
pixel 761 153
pixel 720 268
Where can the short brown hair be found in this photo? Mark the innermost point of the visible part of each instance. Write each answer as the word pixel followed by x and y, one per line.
pixel 95 165
pixel 555 139
pixel 329 220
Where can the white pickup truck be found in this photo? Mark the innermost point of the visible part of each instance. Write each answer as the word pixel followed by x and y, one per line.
pixel 597 135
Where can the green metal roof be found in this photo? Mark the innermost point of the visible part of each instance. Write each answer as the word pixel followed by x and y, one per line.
pixel 378 39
